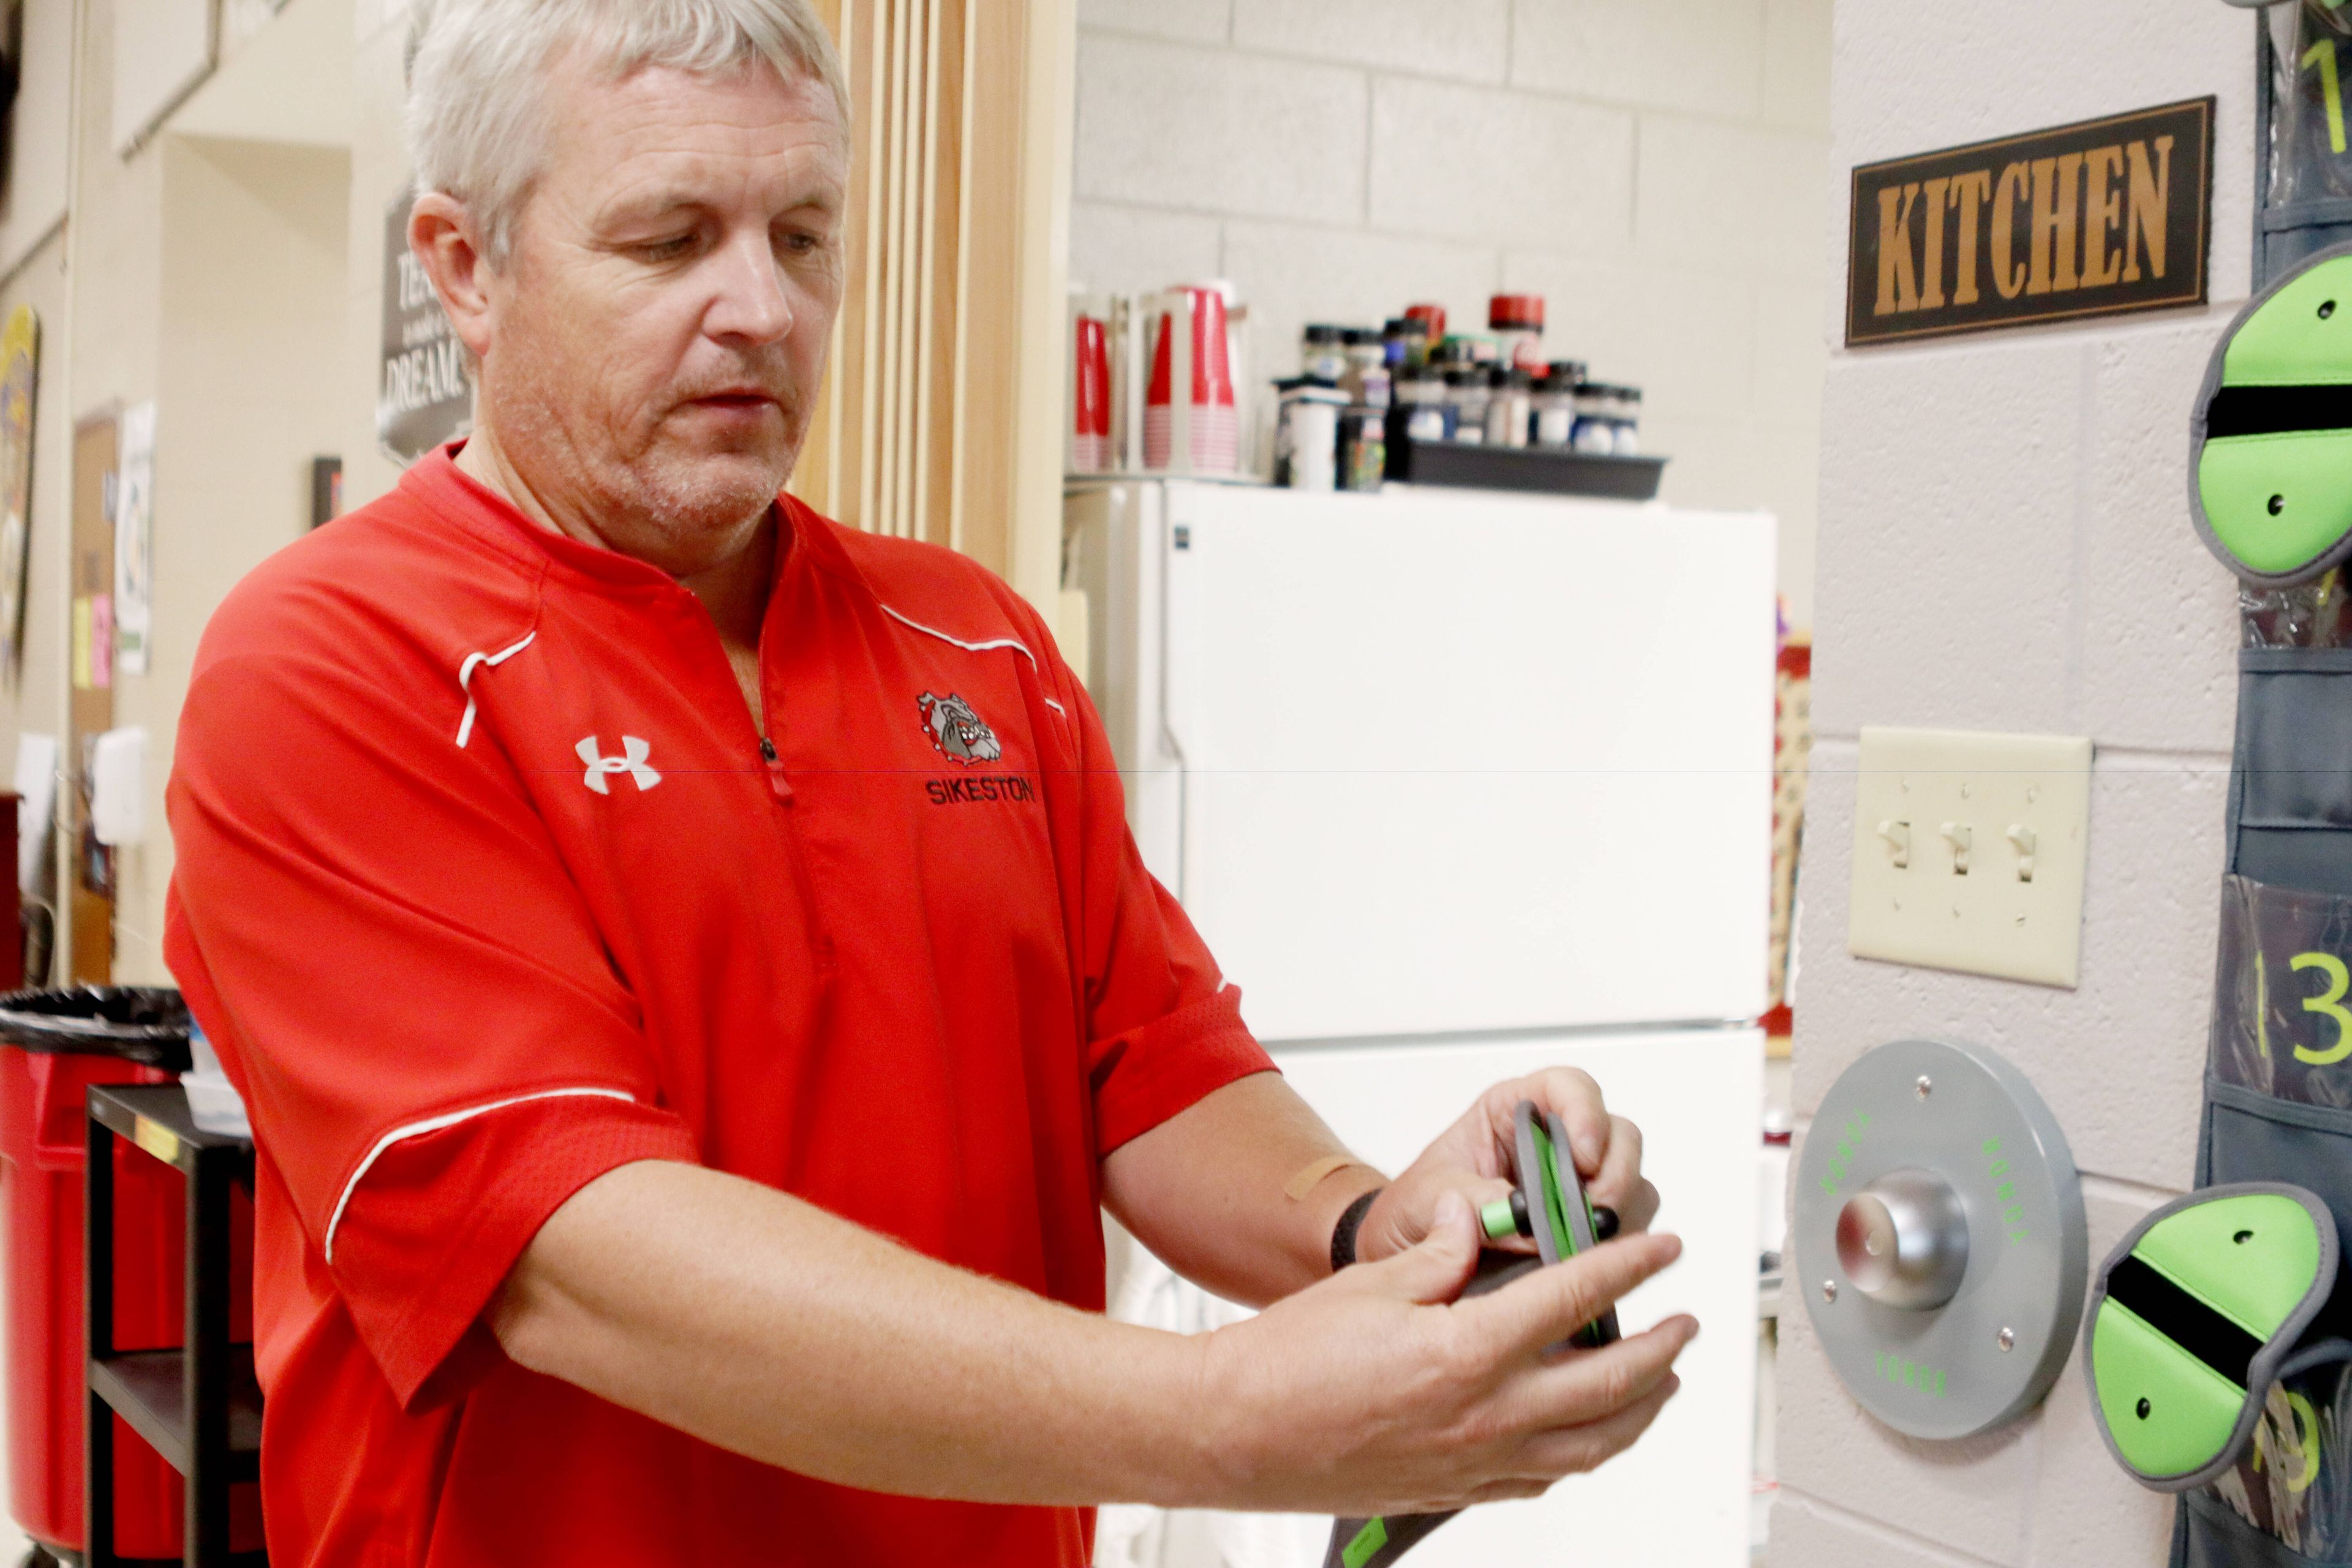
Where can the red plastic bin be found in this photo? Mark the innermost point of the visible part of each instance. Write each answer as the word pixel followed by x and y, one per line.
pixel 43 1148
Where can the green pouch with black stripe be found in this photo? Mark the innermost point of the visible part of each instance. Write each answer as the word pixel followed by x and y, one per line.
pixel 2270 475
pixel 2205 1304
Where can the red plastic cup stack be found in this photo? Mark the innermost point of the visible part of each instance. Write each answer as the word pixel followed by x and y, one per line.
pixel 1215 440
pixel 1090 433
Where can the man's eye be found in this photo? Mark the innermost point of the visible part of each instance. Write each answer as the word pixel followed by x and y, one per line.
pixel 799 242
pixel 667 249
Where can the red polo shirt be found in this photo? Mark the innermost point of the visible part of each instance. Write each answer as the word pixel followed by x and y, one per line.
pixel 488 883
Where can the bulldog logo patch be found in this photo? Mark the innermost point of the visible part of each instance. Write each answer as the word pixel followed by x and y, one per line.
pixel 956 731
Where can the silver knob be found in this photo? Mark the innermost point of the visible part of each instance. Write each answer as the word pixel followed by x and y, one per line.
pixel 1904 1239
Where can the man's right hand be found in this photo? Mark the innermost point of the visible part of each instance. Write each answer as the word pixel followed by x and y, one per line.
pixel 1378 1391
pixel 762 1324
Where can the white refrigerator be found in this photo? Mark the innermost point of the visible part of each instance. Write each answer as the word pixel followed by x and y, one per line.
pixel 1458 784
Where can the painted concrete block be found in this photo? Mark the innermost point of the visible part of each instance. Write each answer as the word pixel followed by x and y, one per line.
pixel 1796 91
pixel 1808 1533
pixel 1710 463
pixel 2084 1508
pixel 1167 125
pixel 2121 1059
pixel 1290 274
pixel 1739 197
pixel 1702 57
pixel 1123 249
pixel 1512 167
pixel 1590 309
pixel 1969 1496
pixel 1791 356
pixel 1194 21
pixel 1948 488
pixel 1735 464
pixel 1463 38
pixel 1911 79
pixel 2160 648
pixel 1685 334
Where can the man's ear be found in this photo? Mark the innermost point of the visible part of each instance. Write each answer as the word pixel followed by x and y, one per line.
pixel 441 237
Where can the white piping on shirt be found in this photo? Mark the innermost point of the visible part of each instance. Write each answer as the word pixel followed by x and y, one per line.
pixel 466 681
pixel 435 1123
pixel 1018 647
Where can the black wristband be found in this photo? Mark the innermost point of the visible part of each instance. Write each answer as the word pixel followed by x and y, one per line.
pixel 1343 1235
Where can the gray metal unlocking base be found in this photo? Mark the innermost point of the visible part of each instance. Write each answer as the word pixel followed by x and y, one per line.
pixel 1991 1353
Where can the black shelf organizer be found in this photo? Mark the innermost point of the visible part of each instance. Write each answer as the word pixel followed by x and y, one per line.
pixel 199 1406
pixel 1548 470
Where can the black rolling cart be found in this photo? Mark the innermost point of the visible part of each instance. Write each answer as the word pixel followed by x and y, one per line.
pixel 199 1406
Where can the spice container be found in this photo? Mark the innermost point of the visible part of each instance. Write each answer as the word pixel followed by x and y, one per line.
pixel 1306 434
pixel 1595 433
pixel 1467 348
pixel 1508 407
pixel 1517 322
pixel 1423 412
pixel 1363 449
pixel 1555 411
pixel 1467 390
pixel 1628 431
pixel 1407 341
pixel 1322 353
pixel 1366 380
pixel 1432 320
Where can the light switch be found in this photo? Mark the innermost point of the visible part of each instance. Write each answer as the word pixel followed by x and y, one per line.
pixel 1968 852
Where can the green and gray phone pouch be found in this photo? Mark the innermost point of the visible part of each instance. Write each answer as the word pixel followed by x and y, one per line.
pixel 2210 1299
pixel 2270 471
pixel 1548 1206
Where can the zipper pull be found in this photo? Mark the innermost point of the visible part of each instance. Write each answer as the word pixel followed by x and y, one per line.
pixel 776 779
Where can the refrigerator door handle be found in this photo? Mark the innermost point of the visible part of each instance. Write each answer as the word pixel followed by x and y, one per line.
pixel 1175 532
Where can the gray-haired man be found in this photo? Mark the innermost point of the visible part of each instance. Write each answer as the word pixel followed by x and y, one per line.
pixel 686 1070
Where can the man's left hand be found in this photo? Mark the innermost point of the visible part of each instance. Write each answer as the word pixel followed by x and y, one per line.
pixel 1474 1157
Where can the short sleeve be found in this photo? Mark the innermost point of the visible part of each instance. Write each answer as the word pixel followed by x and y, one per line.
pixel 374 927
pixel 1164 1027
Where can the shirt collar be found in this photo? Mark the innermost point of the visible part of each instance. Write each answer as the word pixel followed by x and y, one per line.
pixel 451 492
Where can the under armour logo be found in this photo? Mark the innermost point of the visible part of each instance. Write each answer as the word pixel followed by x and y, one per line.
pixel 631 761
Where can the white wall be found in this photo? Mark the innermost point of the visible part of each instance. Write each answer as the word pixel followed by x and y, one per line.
pixel 2004 545
pixel 247 391
pixel 380 173
pixel 1656 170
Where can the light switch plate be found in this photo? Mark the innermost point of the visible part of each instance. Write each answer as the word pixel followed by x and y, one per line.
pixel 1968 852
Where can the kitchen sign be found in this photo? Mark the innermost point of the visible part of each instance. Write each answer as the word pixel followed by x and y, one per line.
pixel 2093 219
pixel 426 395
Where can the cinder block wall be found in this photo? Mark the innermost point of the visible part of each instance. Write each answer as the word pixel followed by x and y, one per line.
pixel 1657 172
pixel 2005 545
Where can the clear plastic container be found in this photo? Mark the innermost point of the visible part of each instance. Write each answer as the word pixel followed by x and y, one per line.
pixel 1307 434
pixel 214 1103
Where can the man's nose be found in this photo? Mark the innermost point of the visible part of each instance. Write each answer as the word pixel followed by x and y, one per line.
pixel 751 306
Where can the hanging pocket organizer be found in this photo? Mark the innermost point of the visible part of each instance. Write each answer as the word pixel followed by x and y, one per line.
pixel 2278 1108
pixel 2271 441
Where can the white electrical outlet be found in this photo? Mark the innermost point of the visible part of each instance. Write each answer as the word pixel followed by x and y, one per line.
pixel 1968 852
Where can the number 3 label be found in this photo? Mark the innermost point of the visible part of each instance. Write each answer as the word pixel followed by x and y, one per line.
pixel 2328 1006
